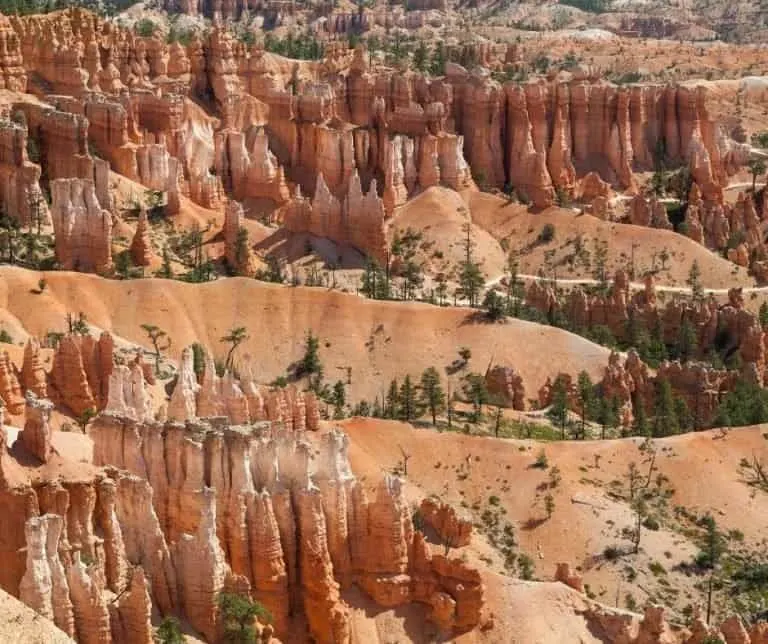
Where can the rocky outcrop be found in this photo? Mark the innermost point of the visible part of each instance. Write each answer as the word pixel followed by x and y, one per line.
pixel 10 389
pixel 33 377
pixel 37 433
pixel 453 530
pixel 127 394
pixel 44 586
pixel 235 499
pixel 505 384
pixel 623 312
pixel 240 401
pixel 81 370
pixel 237 247
pixel 565 575
pixel 358 221
pixel 82 229
pixel 20 193
pixel 141 246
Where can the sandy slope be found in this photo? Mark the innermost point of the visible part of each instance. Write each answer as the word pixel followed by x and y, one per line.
pixel 378 340
pixel 440 215
pixel 22 625
pixel 520 228
pixel 586 519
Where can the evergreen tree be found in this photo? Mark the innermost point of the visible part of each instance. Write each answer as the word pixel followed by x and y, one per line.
pixel 235 336
pixel 405 248
pixel 408 400
pixel 558 410
pixel 238 615
pixel 683 414
pixel 165 271
pixel 656 351
pixel 420 56
pixel 694 282
pixel 515 290
pixel 374 281
pixel 475 390
pixel 640 422
pixel 494 306
pixel 310 364
pixel 160 342
pixel 745 404
pixel 687 342
pixel 607 414
pixel 437 64
pixel 763 315
pixel 169 632
pixel 338 399
pixel 471 278
pixel 392 404
pixel 432 394
pixel 586 391
pixel 665 422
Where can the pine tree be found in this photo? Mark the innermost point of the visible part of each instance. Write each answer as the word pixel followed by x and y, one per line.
pixel 694 282
pixel 310 362
pixel 392 403
pixel 408 400
pixel 608 414
pixel 656 351
pixel 586 390
pixel 165 271
pixel 687 342
pixel 338 399
pixel 235 336
pixel 640 423
pixel 763 315
pixel 558 410
pixel 432 394
pixel 160 342
pixel 665 422
pixel 471 279
pixel 437 64
pixel 477 393
pixel 420 56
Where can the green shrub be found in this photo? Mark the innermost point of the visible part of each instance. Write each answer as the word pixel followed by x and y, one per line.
pixel 145 28
pixel 547 234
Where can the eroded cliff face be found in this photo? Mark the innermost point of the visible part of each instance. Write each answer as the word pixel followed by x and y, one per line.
pixel 621 312
pixel 357 142
pixel 82 229
pixel 239 401
pixel 180 512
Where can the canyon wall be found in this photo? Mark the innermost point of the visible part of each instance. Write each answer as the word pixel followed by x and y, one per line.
pixel 347 135
pixel 180 513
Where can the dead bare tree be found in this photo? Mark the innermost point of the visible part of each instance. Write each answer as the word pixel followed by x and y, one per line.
pixel 755 472
pixel 405 459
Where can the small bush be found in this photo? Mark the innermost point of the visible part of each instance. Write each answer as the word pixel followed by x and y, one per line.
pixel 656 569
pixel 541 462
pixel 5 337
pixel 547 234
pixel 145 28
pixel 652 523
pixel 611 553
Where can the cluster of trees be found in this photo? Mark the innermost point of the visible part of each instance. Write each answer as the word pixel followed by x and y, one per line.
pixel 302 46
pixel 239 616
pixel 403 275
pixel 665 414
pixel 409 400
pixel 30 248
